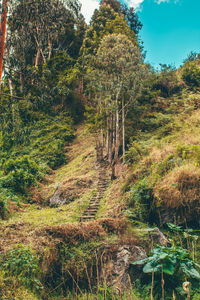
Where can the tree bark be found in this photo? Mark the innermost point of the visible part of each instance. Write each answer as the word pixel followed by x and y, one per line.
pixel 117 136
pixel 123 130
pixel 50 47
pixel 3 34
pixel 37 58
pixel 39 49
pixel 110 139
pixel 10 83
pixel 21 82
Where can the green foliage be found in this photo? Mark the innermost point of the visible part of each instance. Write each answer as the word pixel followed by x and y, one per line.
pixel 175 263
pixel 168 163
pixel 134 153
pixel 19 173
pixel 41 149
pixel 113 18
pixel 7 195
pixel 191 74
pixel 140 199
pixel 167 81
pixel 188 152
pixel 55 154
pixel 21 263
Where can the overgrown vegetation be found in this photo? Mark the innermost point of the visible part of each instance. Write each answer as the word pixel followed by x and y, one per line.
pixel 57 71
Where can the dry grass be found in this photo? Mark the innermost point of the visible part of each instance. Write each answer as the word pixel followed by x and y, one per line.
pixel 48 237
pixel 180 187
pixel 158 154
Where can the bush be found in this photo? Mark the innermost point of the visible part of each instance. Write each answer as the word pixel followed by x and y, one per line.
pixel 55 154
pixel 19 174
pixel 187 152
pixel 141 198
pixel 134 153
pixel 191 74
pixel 21 263
pixel 166 165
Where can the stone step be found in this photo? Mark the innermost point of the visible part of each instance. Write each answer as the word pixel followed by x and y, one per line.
pixel 94 207
pixel 90 211
pixel 90 214
pixel 86 218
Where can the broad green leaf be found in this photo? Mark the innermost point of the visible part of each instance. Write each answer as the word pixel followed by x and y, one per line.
pixel 140 262
pixel 168 268
pixel 151 267
pixel 189 270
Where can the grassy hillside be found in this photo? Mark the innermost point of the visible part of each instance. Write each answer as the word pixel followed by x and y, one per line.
pixel 165 165
pixel 157 185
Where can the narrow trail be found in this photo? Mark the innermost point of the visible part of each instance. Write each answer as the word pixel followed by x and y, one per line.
pixel 102 184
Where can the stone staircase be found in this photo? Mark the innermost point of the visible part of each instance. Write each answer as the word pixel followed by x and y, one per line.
pixel 102 184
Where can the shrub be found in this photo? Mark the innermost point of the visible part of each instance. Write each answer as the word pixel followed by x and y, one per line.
pixel 21 263
pixel 167 164
pixel 55 154
pixel 191 74
pixel 141 198
pixel 19 173
pixel 134 153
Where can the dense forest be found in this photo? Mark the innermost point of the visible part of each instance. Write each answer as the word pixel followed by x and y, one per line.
pixel 99 158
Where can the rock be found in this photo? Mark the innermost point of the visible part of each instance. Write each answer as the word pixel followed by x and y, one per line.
pixel 116 265
pixel 156 236
pixel 67 191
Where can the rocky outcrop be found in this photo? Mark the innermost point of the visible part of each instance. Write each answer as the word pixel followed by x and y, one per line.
pixel 67 191
pixel 115 270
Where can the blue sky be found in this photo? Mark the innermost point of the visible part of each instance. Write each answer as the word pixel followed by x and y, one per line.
pixel 171 28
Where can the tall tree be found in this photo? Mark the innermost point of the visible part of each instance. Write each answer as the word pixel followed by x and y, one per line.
pixel 37 31
pixel 3 34
pixel 116 81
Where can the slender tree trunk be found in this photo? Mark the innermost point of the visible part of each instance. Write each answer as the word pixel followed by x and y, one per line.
pixel 102 138
pixel 50 47
pixel 114 131
pixel 123 129
pixel 10 83
pixel 21 82
pixel 3 34
pixel 107 131
pixel 37 58
pixel 117 136
pixel 110 139
pixel 40 49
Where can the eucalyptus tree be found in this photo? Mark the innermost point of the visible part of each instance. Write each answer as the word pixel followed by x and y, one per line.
pixel 117 80
pixel 42 25
pixel 38 31
pixel 3 34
